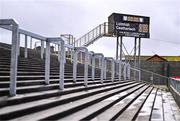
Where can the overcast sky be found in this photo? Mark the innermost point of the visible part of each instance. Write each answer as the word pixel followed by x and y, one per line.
pixel 54 17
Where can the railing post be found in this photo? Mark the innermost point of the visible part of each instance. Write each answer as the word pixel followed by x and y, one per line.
pixel 104 27
pixel 14 60
pixel 93 67
pixel 19 39
pixel 102 69
pixel 112 70
pixel 64 55
pixel 120 70
pixel 61 71
pixel 59 49
pixel 128 71
pixel 25 49
pixel 86 68
pixel 105 68
pixel 139 75
pixel 100 29
pixel 99 63
pixel 81 57
pixel 124 71
pixel 47 63
pixel 71 55
pixel 31 43
pixel 74 65
pixel 42 49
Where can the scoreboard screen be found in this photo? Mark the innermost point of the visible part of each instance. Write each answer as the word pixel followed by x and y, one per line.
pixel 128 25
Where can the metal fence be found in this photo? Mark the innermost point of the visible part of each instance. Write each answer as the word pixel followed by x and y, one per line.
pixel 154 78
pixel 93 35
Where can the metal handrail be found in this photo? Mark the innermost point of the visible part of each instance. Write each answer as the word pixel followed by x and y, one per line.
pixel 96 33
pixel 28 33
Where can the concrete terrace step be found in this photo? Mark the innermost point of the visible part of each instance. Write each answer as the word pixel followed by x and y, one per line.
pixel 36 77
pixel 31 107
pixel 27 97
pixel 146 110
pixel 25 73
pixel 92 111
pixel 36 88
pixel 5 84
pixel 118 105
pixel 62 111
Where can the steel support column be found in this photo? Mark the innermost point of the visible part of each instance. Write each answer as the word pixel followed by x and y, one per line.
pixel 139 58
pixel 124 71
pixel 14 60
pixel 74 66
pixel 93 67
pixel 42 49
pixel 121 42
pixel 47 63
pixel 61 66
pixel 120 69
pixel 117 47
pixel 105 62
pixel 25 49
pixel 135 49
pixel 31 43
pixel 112 69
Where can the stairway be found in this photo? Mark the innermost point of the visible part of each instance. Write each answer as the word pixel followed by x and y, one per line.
pixel 93 35
pixel 118 100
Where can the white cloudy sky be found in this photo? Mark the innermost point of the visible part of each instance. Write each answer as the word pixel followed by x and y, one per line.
pixel 77 17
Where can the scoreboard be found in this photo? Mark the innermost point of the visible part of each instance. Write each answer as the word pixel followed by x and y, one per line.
pixel 128 25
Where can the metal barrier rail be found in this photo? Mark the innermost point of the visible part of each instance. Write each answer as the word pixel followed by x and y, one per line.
pixel 175 84
pixel 93 35
pixel 11 25
pixel 157 79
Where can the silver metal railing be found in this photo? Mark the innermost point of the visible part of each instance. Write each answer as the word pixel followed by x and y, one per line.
pixel 175 84
pixel 11 25
pixel 93 35
pixel 125 69
pixel 155 79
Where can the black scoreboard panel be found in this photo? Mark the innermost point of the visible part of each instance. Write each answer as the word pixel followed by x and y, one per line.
pixel 128 25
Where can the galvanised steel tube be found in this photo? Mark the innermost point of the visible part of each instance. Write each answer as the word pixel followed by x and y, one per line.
pixel 14 53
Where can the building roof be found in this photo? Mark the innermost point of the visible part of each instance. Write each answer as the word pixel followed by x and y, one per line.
pixel 156 58
pixel 145 57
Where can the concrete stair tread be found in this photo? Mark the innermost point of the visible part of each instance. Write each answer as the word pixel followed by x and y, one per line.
pixel 50 80
pixel 41 95
pixel 157 112
pixel 145 112
pixel 118 106
pixel 94 108
pixel 68 106
pixel 20 96
pixel 38 86
pixel 6 110
pixel 174 107
pixel 132 110
pixel 168 113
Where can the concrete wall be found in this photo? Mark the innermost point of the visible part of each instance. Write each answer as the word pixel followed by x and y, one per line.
pixel 176 95
pixel 162 68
